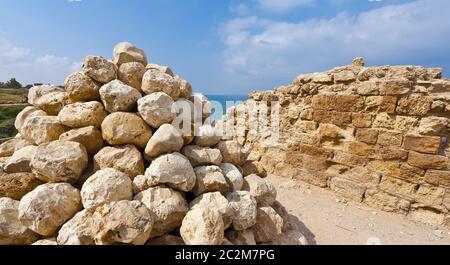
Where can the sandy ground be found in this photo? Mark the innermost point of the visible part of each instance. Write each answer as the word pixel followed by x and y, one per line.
pixel 325 218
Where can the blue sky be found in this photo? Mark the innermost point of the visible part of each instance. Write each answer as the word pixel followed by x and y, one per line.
pixel 222 47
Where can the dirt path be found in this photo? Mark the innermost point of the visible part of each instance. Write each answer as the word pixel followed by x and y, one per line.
pixel 327 218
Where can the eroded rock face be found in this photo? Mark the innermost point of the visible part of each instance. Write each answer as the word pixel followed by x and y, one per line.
pixel 156 109
pixel 16 185
pixel 157 81
pixel 27 112
pixel 169 207
pixel 245 209
pixel 268 225
pixel 207 135
pixel 81 88
pixel 166 139
pixel 233 176
pixel 209 179
pixel 59 161
pixel 50 99
pixel 233 152
pixel 80 114
pixel 215 200
pixel 262 190
pixel 123 222
pixel 105 186
pixel 202 226
pixel 185 88
pixel 42 129
pixel 99 69
pixel 202 156
pixel 122 128
pixel 48 207
pixel 20 160
pixel 126 159
pixel 77 231
pixel 126 52
pixel 132 73
pixel 161 68
pixel 90 137
pixel 12 232
pixel 117 96
pixel 173 170
pixel 8 148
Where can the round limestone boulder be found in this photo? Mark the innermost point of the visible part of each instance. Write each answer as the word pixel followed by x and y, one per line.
pixel 140 184
pixel 42 129
pixel 172 169
pixel 166 240
pixel 46 242
pixel 16 185
pixel 125 52
pixel 90 137
pixel 269 225
pixel 77 231
pixel 233 152
pixel 233 176
pixel 27 112
pixel 202 156
pixel 123 222
pixel 209 179
pixel 185 88
pixel 157 81
pixel 245 209
pixel 122 128
pixel 132 73
pixel 166 139
pixel 99 69
pixel 50 99
pixel 81 88
pixel 207 136
pixel 161 68
pixel 215 200
pixel 59 161
pixel 126 159
pixel 117 96
pixel 105 186
pixel 12 232
pixel 156 109
pixel 263 190
pixel 202 226
pixel 20 160
pixel 241 238
pixel 83 114
pixel 8 148
pixel 169 207
pixel 48 207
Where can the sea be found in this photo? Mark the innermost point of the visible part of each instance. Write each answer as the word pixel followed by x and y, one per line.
pixel 225 101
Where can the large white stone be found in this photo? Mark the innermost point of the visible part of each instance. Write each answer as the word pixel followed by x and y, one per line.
pixel 166 139
pixel 50 99
pixel 245 209
pixel 83 114
pixel 156 109
pixel 126 159
pixel 233 176
pixel 125 52
pixel 215 200
pixel 77 231
pixel 157 81
pixel 117 96
pixel 209 179
pixel 99 69
pixel 202 226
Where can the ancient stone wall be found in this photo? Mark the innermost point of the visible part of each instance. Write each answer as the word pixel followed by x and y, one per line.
pixel 377 135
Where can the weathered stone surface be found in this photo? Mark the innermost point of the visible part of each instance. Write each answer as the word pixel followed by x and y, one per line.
pixel 398 186
pixel 268 225
pixel 337 102
pixel 126 159
pixel 161 68
pixel 362 120
pixel 215 200
pixel 105 186
pixel 433 126
pixel 80 115
pixel 202 105
pixel 8 148
pixel 48 207
pixel 395 86
pixel 202 226
pixel 209 179
pixel 42 129
pixel 117 96
pixel 382 200
pixel 122 128
pixel 233 176
pixel 26 113
pixel 172 169
pixel 157 81
pixel 426 161
pixel 59 161
pixel 262 190
pixel 245 209
pixel 77 231
pixel 347 188
pixel 423 144
pixel 239 238
pixel 20 160
pixel 427 216
pixel 185 88
pixel 166 240
pixel 131 74
pixel 80 87
pixel 50 99
pixel 125 52
pixel 429 195
pixel 12 232
pixel 90 137
pixel 390 138
pixel 166 139
pixel 207 136
pixel 17 185
pixel 438 178
pixel 169 207
pixel 99 69
pixel 381 104
pixel 200 156
pixel 253 167
pixel 368 136
pixel 156 109
pixel 123 222
pixel 233 152
pixel 46 242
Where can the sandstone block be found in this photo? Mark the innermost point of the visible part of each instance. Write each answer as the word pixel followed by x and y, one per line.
pixel 368 136
pixel 398 186
pixel 362 120
pixel 426 161
pixel 423 144
pixel 17 185
pixel 348 103
pixel 395 86
pixel 390 138
pixel 414 105
pixel 381 104
pixel 348 188
pixel 438 178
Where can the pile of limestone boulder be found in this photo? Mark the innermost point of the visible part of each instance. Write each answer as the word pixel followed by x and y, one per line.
pixel 100 162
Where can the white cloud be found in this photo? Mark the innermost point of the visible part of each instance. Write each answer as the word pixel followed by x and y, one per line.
pixel 264 53
pixel 240 9
pixel 52 60
pixel 10 51
pixel 282 5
